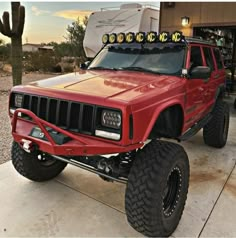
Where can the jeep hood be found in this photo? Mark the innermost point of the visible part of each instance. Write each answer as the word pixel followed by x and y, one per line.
pixel 119 85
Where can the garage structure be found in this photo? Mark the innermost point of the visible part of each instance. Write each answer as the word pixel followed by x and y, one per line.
pixel 212 21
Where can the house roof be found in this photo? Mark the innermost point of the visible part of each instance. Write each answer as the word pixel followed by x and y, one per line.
pixel 46 47
pixel 29 44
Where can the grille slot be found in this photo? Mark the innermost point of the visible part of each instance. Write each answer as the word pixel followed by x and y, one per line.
pixel 87 118
pixel 43 108
pixel 62 117
pixel 73 116
pixel 34 105
pixel 26 101
pixel 52 111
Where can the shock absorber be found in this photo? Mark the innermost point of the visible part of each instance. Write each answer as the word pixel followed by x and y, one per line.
pixel 126 160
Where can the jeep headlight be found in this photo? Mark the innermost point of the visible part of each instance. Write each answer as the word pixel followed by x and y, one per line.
pixel 111 119
pixel 18 101
pixel 109 124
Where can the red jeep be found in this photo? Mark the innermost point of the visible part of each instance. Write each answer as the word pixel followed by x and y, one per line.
pixel 141 88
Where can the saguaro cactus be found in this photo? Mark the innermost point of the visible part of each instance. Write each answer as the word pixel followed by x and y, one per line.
pixel 18 21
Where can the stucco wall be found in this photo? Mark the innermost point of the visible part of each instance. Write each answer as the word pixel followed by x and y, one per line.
pixel 200 13
pixel 29 48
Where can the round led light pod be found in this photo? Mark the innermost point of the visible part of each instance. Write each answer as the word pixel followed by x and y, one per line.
pixel 164 36
pixel 112 38
pixel 105 39
pixel 130 37
pixel 140 37
pixel 176 36
pixel 121 38
pixel 151 37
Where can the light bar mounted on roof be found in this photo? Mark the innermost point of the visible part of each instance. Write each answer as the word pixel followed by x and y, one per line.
pixel 142 37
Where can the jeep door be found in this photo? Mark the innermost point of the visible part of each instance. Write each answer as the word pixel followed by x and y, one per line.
pixel 213 60
pixel 195 88
pixel 209 62
pixel 218 75
pixel 211 82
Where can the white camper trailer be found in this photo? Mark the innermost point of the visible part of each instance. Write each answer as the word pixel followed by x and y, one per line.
pixel 129 18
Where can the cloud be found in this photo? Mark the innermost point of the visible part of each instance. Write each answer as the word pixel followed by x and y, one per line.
pixel 73 14
pixel 38 12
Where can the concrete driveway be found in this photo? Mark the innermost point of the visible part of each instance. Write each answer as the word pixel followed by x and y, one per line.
pixel 78 203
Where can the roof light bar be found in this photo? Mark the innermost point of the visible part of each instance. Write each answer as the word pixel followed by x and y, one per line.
pixel 142 37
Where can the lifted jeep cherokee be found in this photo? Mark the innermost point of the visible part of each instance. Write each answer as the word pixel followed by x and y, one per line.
pixel 139 89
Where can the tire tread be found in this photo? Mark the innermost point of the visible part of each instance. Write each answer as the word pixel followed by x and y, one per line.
pixel 150 166
pixel 27 165
pixel 213 130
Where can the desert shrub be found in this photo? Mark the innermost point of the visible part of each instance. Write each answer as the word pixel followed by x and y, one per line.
pixel 41 61
pixel 28 67
pixel 70 60
pixel 57 69
pixel 4 52
pixel 68 68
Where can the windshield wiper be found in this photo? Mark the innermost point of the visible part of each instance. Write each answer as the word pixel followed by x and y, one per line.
pixel 100 67
pixel 140 69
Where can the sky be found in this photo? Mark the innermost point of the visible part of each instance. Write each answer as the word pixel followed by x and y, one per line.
pixel 47 21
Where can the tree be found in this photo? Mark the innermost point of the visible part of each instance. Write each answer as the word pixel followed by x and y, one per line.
pixel 18 21
pixel 75 37
pixel 63 49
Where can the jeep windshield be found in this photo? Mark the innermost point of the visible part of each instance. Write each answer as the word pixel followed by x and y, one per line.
pixel 157 58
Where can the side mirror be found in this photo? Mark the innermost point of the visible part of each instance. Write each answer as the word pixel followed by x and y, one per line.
pixel 200 72
pixel 85 65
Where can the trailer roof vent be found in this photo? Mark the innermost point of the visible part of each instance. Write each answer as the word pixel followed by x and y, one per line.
pixel 130 5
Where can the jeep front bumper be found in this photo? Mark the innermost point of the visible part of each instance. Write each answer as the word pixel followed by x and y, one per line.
pixel 77 145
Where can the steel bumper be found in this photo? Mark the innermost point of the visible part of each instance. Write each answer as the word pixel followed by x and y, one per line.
pixel 78 145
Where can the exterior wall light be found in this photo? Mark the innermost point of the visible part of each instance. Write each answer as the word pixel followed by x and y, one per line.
pixel 185 21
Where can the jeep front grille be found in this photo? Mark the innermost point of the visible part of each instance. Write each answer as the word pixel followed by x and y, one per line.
pixel 72 116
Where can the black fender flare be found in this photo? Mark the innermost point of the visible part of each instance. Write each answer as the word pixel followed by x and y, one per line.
pixel 220 91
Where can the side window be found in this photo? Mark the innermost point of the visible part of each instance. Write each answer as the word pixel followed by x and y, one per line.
pixel 196 57
pixel 208 57
pixel 218 58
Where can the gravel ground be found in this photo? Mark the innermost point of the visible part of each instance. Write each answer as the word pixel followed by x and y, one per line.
pixel 5 128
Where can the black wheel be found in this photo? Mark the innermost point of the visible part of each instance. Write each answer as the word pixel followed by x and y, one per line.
pixel 157 189
pixel 35 166
pixel 235 103
pixel 215 132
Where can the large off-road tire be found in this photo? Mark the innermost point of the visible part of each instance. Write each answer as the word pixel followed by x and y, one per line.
pixel 28 164
pixel 215 132
pixel 157 189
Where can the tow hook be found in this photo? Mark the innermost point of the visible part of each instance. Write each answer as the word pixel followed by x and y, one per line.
pixel 27 145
